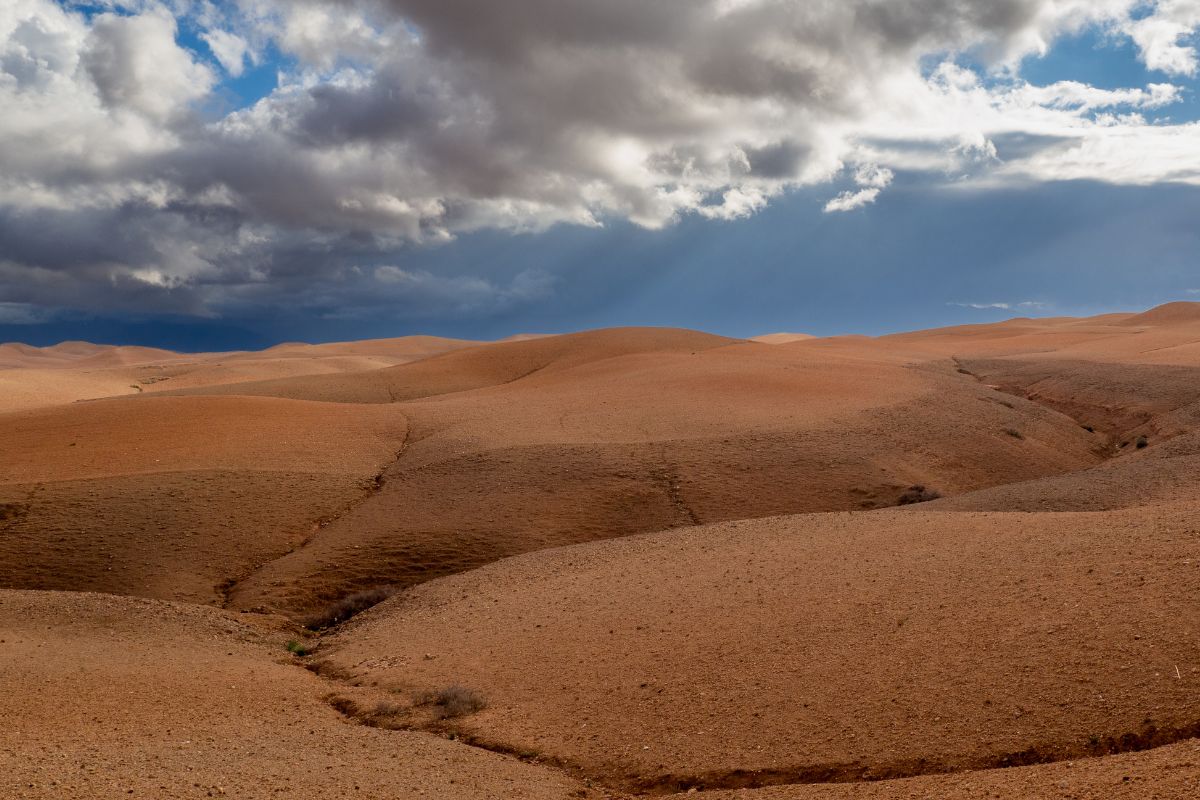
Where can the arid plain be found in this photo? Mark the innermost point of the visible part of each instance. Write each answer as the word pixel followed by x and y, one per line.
pixel 957 563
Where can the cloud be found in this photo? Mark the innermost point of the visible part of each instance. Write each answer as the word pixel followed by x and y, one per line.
pixel 466 294
pixel 872 178
pixel 402 122
pixel 229 49
pixel 1026 304
pixel 1160 36
pixel 22 314
pixel 1081 97
pixel 983 306
pixel 137 66
pixel 848 201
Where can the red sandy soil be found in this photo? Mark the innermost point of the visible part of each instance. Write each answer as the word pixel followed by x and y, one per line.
pixel 669 561
pixel 109 697
pixel 841 645
pixel 1165 772
pixel 618 432
pixel 173 497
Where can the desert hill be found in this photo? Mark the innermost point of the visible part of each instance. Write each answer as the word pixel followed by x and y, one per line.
pixel 962 562
pixel 480 367
pixel 173 497
pixel 78 355
pixel 683 429
pixel 838 645
pixel 116 697
pixel 781 338
pixel 32 377
pixel 1167 314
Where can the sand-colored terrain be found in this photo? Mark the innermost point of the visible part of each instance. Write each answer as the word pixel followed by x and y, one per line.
pixel 952 563
pixel 32 377
pixel 838 645
pixel 619 432
pixel 176 497
pixel 781 338
pixel 110 697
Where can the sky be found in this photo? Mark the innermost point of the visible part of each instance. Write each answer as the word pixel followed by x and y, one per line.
pixel 225 175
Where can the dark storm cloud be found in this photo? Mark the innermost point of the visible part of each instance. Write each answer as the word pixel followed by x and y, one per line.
pixel 509 31
pixel 58 239
pixel 399 123
pixel 337 115
pixel 778 161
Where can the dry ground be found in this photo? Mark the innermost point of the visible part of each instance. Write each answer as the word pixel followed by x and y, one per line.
pixel 666 561
pixel 109 697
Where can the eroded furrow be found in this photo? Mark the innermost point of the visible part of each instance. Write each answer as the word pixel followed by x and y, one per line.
pixel 386 715
pixel 370 488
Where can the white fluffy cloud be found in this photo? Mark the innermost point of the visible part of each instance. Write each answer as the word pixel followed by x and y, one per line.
pixel 871 179
pixel 415 120
pixel 135 65
pixel 1160 36
pixel 229 49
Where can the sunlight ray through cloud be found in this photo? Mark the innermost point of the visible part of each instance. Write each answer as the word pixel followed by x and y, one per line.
pixel 400 123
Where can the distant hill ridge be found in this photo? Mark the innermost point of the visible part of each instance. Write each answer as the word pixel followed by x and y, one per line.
pixel 87 354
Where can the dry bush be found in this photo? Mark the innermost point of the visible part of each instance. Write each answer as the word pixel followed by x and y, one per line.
pixel 350 605
pixel 386 709
pixel 917 494
pixel 452 701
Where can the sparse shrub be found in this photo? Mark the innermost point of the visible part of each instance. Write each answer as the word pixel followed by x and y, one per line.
pixel 297 648
pixel 918 494
pixel 386 708
pixel 452 701
pixel 1142 442
pixel 1013 432
pixel 350 605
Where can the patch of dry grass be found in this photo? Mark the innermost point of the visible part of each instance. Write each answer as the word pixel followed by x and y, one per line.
pixel 917 494
pixel 452 702
pixel 349 606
